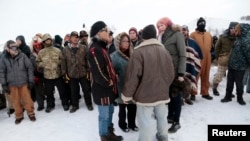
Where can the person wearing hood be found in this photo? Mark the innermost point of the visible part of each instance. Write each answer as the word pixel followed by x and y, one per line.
pixel 20 40
pixel 16 77
pixel 223 49
pixel 149 74
pixel 58 42
pixel 205 41
pixel 104 85
pixel 120 58
pixel 48 61
pixel 239 61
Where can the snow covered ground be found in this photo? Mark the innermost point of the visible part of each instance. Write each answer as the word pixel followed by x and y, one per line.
pixel 83 126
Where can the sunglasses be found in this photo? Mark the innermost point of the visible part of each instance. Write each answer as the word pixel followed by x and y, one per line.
pixel 14 48
pixel 106 30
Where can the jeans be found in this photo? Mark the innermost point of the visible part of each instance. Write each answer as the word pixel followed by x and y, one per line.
pixel 174 107
pixel 146 116
pixel 105 118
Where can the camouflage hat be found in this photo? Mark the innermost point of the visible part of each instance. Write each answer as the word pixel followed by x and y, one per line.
pixel 46 36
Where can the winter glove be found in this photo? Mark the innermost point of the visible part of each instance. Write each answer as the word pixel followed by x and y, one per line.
pixel 30 85
pixel 6 89
pixel 66 78
pixel 88 76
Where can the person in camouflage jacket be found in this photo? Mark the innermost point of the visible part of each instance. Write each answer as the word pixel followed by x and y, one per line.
pixel 48 62
pixel 75 66
pixel 238 63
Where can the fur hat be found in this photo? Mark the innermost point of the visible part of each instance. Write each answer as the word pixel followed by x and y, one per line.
pixel 200 20
pixel 58 39
pixel 133 29
pixel 232 25
pixel 96 27
pixel 149 32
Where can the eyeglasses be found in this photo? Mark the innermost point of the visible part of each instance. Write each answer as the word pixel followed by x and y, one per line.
pixel 14 48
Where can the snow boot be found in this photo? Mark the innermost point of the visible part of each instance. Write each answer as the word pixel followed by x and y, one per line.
pixel 240 100
pixel 104 138
pixel 227 98
pixel 215 91
pixel 112 136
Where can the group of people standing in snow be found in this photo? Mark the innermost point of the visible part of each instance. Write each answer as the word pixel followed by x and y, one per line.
pixel 141 71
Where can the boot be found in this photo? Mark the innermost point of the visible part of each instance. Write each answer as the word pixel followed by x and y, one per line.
pixel 104 138
pixel 215 91
pixel 227 98
pixel 112 136
pixel 240 100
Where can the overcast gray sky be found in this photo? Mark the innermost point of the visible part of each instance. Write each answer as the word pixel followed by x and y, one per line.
pixel 28 17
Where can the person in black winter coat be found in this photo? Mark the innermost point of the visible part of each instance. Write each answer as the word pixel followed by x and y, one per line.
pixel 20 40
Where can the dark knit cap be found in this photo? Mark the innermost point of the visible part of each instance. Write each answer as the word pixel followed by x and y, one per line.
pixel 232 25
pixel 149 32
pixel 96 27
pixel 201 20
pixel 58 39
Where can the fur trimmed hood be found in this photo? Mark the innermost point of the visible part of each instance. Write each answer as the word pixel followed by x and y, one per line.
pixel 117 41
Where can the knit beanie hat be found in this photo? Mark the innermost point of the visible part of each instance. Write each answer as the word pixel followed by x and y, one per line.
pixel 232 25
pixel 58 39
pixel 133 29
pixel 200 20
pixel 96 27
pixel 149 32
